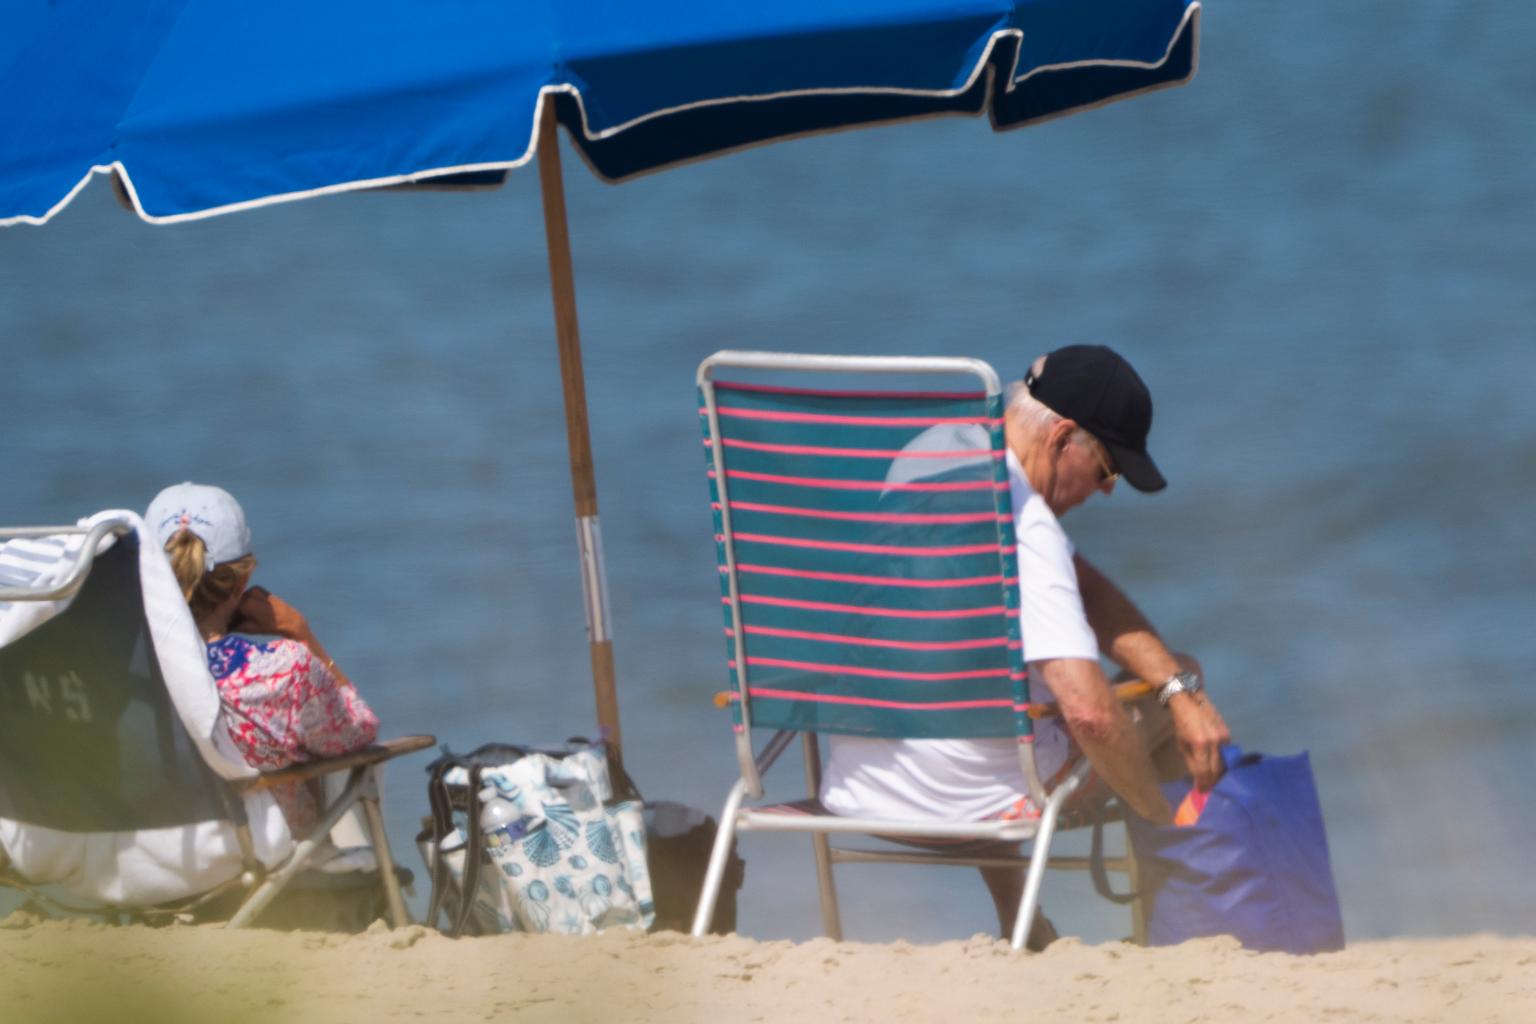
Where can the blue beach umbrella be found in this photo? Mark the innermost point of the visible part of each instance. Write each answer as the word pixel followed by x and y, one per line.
pixel 201 107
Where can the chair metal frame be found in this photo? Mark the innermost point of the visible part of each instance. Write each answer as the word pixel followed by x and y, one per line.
pixel 735 817
pixel 263 884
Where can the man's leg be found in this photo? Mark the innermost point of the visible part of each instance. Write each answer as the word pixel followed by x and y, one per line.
pixel 1006 887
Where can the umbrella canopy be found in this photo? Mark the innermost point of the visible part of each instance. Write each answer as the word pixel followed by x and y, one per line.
pixel 203 107
pixel 208 106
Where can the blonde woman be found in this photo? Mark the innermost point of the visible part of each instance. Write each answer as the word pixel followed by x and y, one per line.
pixel 287 700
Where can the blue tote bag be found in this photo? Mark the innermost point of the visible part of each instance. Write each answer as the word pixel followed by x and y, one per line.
pixel 1253 865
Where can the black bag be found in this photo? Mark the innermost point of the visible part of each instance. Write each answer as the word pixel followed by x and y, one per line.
pixel 679 840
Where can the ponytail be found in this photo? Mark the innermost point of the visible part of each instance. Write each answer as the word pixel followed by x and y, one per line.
pixel 204 589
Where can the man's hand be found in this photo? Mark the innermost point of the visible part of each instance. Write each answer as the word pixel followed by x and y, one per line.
pixel 261 611
pixel 1201 732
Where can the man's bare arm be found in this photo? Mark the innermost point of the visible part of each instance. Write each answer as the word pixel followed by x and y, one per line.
pixel 1104 731
pixel 1123 632
pixel 1128 639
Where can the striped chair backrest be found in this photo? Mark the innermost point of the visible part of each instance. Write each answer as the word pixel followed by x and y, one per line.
pixel 867 562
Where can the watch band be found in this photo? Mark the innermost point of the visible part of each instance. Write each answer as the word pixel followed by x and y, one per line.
pixel 1179 682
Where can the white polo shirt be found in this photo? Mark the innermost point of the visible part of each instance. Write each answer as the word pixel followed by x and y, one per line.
pixel 966 780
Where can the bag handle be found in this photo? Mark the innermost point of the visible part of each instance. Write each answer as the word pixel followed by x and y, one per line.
pixel 1232 757
pixel 619 782
pixel 1096 866
pixel 473 850
pixel 442 825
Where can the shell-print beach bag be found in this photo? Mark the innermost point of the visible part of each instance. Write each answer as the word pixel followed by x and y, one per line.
pixel 538 840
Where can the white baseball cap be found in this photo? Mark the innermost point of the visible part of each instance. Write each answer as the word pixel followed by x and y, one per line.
pixel 209 512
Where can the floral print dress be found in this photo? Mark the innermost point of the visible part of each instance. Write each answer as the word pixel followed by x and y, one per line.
pixel 285 707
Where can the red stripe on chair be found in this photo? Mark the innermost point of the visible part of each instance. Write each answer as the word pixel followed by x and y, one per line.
pixel 869 549
pixel 894 613
pixel 827 698
pixel 908 518
pixel 758 692
pixel 829 484
pixel 856 453
pixel 877 673
pixel 877 581
pixel 773 389
pixel 863 421
pixel 864 641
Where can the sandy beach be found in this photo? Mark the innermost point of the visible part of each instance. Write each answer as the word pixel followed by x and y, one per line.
pixel 75 970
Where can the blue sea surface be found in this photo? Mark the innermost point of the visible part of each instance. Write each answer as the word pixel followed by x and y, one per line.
pixel 1319 254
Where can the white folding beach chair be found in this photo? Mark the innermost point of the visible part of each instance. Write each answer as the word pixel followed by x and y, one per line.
pixel 119 785
pixel 869 579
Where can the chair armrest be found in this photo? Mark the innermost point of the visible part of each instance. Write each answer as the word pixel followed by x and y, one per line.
pixel 1125 693
pixel 371 754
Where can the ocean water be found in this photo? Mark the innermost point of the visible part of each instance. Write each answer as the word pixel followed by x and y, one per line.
pixel 1319 254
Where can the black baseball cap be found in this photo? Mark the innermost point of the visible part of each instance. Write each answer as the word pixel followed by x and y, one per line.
pixel 1096 387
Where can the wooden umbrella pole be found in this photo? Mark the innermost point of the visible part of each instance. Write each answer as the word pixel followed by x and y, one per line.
pixel 594 577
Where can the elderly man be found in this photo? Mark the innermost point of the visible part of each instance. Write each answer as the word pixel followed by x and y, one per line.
pixel 1076 424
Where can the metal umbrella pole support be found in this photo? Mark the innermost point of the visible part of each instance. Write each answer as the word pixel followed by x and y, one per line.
pixel 589 538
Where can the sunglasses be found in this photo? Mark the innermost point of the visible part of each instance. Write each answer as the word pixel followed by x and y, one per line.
pixel 1107 473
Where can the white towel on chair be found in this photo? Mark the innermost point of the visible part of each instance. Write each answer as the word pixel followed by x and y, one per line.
pixel 151 865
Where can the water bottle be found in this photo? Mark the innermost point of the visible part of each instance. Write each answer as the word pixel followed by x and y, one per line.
pixel 501 824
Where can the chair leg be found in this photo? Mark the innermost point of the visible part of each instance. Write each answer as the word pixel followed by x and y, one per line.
pixel 718 856
pixel 1039 856
pixel 1139 904
pixel 399 917
pixel 826 888
pixel 265 893
pixel 831 919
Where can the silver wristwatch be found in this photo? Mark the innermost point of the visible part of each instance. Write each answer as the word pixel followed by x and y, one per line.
pixel 1179 682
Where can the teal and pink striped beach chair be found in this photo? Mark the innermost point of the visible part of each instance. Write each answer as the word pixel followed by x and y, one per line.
pixel 869 583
